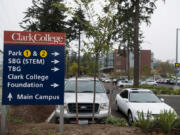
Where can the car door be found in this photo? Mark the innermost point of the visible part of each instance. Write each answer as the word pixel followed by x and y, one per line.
pixel 123 101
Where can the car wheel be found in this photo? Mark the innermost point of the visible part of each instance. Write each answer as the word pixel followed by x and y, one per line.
pixel 102 121
pixel 130 118
pixel 117 107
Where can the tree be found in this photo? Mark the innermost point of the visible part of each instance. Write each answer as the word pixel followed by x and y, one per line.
pixel 166 68
pixel 48 16
pixel 146 71
pixel 78 24
pixel 137 11
pixel 87 62
pixel 100 33
pixel 45 16
pixel 73 69
pixel 143 9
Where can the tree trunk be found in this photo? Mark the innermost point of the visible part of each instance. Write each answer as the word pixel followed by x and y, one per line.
pixel 79 52
pixel 136 44
pixel 76 98
pixel 77 76
pixel 128 62
pixel 110 98
pixel 94 96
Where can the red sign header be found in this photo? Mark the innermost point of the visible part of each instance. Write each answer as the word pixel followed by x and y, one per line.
pixel 34 38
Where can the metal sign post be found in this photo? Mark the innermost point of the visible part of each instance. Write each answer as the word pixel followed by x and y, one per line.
pixel 177 64
pixel 33 68
pixel 61 122
pixel 4 119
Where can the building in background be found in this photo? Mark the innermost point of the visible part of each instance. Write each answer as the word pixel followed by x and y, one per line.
pixel 117 62
pixel 106 62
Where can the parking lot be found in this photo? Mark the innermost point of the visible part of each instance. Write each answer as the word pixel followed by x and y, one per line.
pixel 172 100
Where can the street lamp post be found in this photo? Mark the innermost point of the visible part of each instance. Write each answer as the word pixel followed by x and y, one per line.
pixel 176 53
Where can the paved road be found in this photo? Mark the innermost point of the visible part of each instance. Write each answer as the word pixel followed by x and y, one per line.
pixel 172 100
pixel 115 91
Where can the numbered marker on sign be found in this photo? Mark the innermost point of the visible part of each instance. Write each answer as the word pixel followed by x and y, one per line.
pixel 27 53
pixel 43 53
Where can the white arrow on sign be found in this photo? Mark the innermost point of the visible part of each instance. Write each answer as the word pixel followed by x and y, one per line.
pixel 54 85
pixel 55 61
pixel 55 54
pixel 55 69
pixel 10 97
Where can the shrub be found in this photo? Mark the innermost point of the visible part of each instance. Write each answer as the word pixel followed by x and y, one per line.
pixel 116 121
pixel 145 123
pixel 176 92
pixel 165 121
pixel 160 90
pixel 17 121
pixel 176 123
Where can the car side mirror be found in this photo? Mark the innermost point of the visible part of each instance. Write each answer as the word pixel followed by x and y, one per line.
pixel 162 99
pixel 107 91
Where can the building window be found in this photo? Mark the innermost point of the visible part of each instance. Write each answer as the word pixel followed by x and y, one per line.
pixel 111 63
pixel 120 71
pixel 118 63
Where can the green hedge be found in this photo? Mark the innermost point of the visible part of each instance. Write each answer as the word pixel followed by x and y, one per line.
pixel 161 90
pixel 116 121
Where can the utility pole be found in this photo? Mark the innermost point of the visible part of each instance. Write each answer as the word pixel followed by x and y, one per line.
pixel 176 53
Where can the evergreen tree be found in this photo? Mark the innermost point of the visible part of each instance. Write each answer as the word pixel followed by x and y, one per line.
pixel 48 16
pixel 51 16
pixel 142 11
pixel 78 24
pixel 45 16
pixel 133 12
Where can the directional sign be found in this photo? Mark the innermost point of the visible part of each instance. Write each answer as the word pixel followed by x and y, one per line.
pixel 33 69
pixel 177 65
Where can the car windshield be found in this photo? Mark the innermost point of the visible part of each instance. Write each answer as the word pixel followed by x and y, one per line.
pixel 84 86
pixel 150 81
pixel 143 97
pixel 124 81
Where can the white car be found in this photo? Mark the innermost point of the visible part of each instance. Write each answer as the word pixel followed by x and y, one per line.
pixel 107 80
pixel 150 82
pixel 132 101
pixel 123 83
pixel 85 101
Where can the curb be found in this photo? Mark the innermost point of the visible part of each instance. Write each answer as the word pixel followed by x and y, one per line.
pixel 51 117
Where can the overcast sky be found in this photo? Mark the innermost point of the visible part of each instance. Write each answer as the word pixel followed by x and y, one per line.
pixel 160 36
